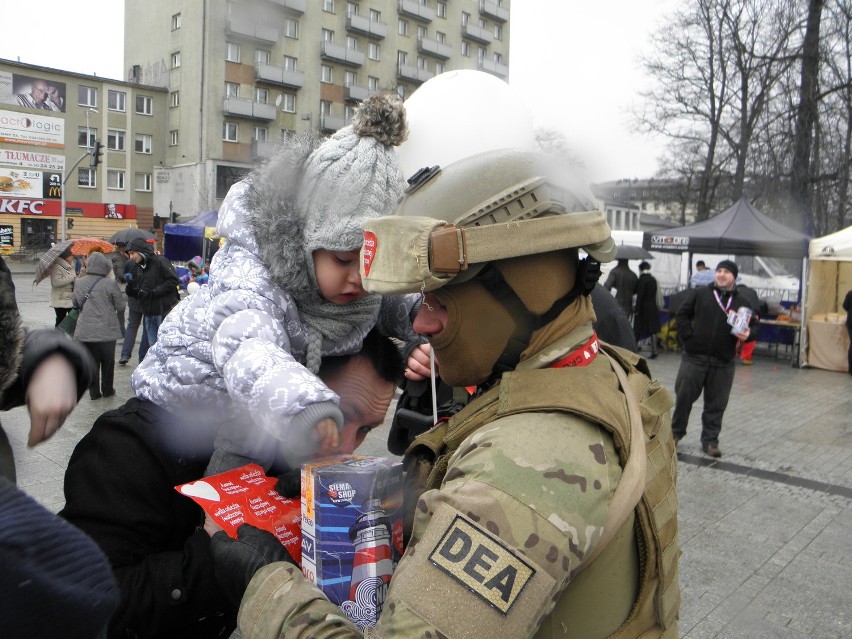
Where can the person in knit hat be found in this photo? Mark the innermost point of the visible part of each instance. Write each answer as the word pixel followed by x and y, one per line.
pixel 284 291
pixel 153 281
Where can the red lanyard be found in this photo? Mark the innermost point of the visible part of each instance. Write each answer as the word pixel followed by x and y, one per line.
pixel 580 356
pixel 719 302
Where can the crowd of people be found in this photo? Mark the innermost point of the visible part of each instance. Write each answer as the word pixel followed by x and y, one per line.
pixel 339 282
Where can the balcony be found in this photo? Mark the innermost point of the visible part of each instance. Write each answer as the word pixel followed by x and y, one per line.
pixel 339 53
pixel 477 33
pixel 370 28
pixel 412 73
pixel 355 93
pixel 413 9
pixel 493 10
pixel 331 123
pixel 435 48
pixel 494 68
pixel 248 109
pixel 248 29
pixel 299 6
pixel 279 75
pixel 262 149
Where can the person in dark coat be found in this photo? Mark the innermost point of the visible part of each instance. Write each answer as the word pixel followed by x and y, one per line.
pixel 98 327
pixel 54 580
pixel 646 320
pixel 611 324
pixel 119 488
pixel 624 281
pixel 707 363
pixel 134 321
pixel 154 282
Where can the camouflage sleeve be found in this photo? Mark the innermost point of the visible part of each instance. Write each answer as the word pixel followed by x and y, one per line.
pixel 523 502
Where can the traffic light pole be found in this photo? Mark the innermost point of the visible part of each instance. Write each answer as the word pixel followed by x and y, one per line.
pixel 65 177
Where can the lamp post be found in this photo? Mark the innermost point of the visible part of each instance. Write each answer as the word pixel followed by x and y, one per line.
pixel 62 214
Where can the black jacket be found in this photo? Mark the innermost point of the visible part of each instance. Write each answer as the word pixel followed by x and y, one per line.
pixel 702 324
pixel 154 283
pixel 119 489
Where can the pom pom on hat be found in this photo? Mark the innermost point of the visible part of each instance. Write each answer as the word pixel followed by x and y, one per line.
pixel 354 176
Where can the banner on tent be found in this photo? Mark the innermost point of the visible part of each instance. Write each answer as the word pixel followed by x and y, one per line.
pixel 669 243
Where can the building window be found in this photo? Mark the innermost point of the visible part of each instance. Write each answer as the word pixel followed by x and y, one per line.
pixel 115 179
pixel 262 56
pixel 465 49
pixel 401 57
pixel 144 104
pixel 421 63
pixel 87 96
pixel 498 57
pixel 291 28
pixel 174 138
pixel 350 78
pixel 325 73
pixel 328 6
pixel 176 22
pixel 400 91
pixel 261 95
pixel 375 16
pixel 465 18
pixel 232 90
pixel 439 68
pixel 232 52
pixel 441 37
pixel 116 100
pixel 143 143
pixel 480 55
pixel 421 32
pixel 288 104
pixel 86 137
pixel 86 178
pixel 143 182
pixel 348 114
pixel 351 42
pixel 374 51
pixel 261 133
pixel 327 35
pixel 325 108
pixel 498 31
pixel 372 83
pixel 402 27
pixel 442 10
pixel 483 24
pixel 174 98
pixel 229 132
pixel 115 140
pixel 175 60
pixel 351 9
pixel 290 63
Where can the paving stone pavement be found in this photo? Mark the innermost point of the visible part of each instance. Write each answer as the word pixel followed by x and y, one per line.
pixel 765 532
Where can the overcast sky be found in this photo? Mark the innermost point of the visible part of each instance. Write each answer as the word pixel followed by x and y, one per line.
pixel 573 61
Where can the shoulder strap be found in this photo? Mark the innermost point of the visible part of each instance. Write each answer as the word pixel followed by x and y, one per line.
pixel 92 288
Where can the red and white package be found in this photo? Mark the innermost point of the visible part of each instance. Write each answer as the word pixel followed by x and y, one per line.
pixel 246 495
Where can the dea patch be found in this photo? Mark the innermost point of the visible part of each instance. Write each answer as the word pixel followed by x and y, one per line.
pixel 481 563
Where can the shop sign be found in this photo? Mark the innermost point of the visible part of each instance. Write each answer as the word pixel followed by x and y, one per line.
pixel 35 130
pixel 7 238
pixel 32 160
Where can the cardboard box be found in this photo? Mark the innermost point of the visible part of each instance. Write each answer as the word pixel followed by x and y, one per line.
pixel 352 531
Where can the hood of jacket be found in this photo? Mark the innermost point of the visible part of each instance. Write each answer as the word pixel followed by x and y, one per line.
pixel 11 330
pixel 98 264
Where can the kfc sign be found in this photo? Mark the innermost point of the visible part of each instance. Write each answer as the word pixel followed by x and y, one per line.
pixel 21 207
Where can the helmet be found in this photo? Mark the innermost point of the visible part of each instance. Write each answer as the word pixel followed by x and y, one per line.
pixel 494 205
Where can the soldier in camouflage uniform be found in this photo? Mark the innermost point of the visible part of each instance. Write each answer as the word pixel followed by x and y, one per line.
pixel 555 484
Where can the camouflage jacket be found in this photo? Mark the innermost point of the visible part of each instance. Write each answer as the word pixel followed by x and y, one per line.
pixel 523 502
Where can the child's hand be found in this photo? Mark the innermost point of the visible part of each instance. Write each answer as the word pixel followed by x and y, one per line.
pixel 328 437
pixel 51 396
pixel 210 526
pixel 417 366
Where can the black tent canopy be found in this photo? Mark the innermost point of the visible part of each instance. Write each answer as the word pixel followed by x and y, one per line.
pixel 739 230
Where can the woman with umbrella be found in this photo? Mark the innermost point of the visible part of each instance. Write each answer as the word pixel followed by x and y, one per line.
pixel 62 276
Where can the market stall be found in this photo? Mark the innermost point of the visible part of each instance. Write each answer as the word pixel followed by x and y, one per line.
pixel 825 341
pixel 186 240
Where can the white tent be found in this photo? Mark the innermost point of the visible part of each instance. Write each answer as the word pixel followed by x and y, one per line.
pixel 825 341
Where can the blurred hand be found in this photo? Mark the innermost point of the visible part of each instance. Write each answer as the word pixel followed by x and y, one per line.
pixel 51 396
pixel 743 335
pixel 328 437
pixel 417 366
pixel 210 526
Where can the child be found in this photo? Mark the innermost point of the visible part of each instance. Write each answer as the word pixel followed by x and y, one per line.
pixel 284 291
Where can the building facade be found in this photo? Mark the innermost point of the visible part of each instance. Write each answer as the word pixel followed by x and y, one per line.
pixel 49 122
pixel 241 74
pixel 664 198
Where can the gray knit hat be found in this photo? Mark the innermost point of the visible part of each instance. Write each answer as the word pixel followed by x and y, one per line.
pixel 354 176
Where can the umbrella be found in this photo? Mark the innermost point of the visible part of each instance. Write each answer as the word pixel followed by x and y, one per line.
pixel 48 258
pixel 628 252
pixel 84 245
pixel 125 236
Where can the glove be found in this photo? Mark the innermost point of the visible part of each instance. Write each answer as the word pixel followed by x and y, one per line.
pixel 143 293
pixel 236 560
pixel 128 277
pixel 290 484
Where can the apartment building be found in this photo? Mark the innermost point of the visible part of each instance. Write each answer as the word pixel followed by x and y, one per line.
pixel 49 122
pixel 242 74
pixel 667 199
